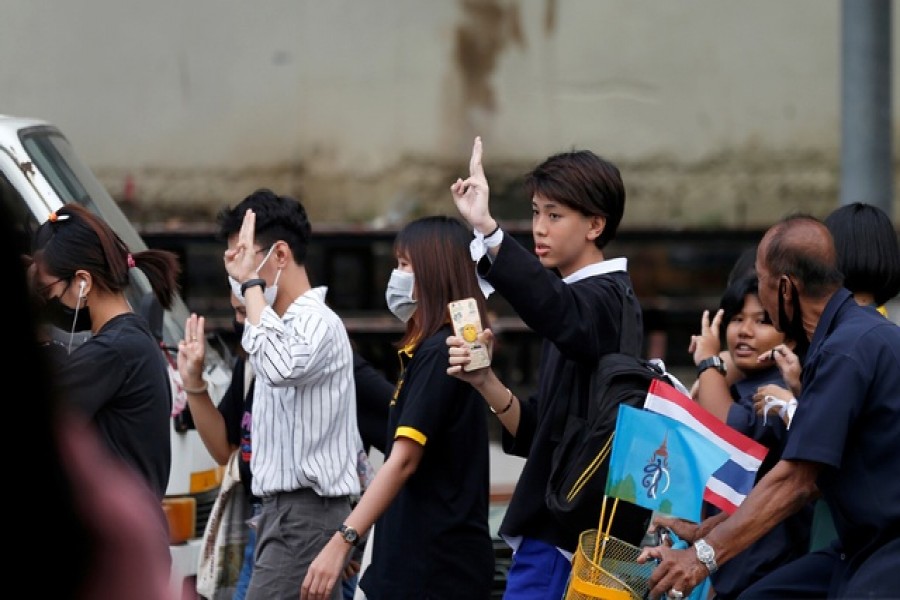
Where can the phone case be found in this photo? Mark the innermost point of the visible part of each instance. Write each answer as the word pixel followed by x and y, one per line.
pixel 467 325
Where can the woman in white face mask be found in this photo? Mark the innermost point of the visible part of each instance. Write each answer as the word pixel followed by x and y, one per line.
pixel 430 497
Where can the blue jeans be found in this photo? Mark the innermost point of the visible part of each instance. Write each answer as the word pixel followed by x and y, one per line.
pixel 247 567
pixel 349 586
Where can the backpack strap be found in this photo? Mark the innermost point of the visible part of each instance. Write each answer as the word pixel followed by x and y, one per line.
pixel 628 328
pixel 628 344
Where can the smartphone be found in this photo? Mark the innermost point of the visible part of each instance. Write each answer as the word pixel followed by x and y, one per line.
pixel 467 325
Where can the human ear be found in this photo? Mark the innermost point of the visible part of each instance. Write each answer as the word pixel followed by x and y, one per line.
pixel 597 225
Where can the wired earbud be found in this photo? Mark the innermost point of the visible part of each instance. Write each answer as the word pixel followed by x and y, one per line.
pixel 81 290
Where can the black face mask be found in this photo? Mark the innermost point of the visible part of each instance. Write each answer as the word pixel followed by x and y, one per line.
pixel 793 328
pixel 238 327
pixel 55 313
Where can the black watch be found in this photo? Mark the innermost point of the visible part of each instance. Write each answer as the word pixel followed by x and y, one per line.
pixel 252 282
pixel 714 362
pixel 350 535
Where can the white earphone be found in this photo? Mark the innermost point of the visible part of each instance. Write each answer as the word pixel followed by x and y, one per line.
pixel 81 290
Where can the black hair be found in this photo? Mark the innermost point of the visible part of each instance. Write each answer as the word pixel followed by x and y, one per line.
pixel 868 252
pixel 584 182
pixel 278 218
pixel 744 265
pixel 74 239
pixel 734 297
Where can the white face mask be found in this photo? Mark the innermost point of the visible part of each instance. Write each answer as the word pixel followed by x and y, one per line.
pixel 269 293
pixel 399 294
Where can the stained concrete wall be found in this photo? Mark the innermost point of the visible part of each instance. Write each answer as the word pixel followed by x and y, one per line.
pixel 720 113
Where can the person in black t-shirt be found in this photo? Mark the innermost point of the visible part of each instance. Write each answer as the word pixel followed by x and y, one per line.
pixel 429 500
pixel 225 428
pixel 117 378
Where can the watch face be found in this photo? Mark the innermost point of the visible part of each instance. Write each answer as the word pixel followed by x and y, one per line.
pixel 704 552
pixel 706 555
pixel 351 536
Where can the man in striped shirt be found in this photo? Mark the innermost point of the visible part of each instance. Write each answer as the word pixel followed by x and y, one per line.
pixel 305 435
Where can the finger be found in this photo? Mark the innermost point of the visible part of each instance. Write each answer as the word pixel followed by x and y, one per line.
pixel 475 167
pixel 245 235
pixel 486 337
pixel 454 341
pixel 717 321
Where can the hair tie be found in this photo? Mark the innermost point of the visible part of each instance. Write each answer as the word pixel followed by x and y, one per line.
pixel 131 263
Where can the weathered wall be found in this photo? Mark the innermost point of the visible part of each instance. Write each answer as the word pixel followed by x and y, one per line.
pixel 718 112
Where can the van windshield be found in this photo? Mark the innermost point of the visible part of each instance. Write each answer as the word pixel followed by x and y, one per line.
pixel 73 181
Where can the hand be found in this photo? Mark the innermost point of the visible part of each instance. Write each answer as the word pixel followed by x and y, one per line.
pixel 770 389
pixel 677 570
pixel 686 530
pixel 707 344
pixel 326 568
pixel 192 352
pixel 788 363
pixel 351 569
pixel 240 261
pixel 471 196
pixel 459 356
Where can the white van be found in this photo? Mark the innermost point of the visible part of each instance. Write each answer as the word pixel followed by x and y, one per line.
pixel 39 172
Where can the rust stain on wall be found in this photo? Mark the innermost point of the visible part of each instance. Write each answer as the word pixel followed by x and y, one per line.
pixel 488 28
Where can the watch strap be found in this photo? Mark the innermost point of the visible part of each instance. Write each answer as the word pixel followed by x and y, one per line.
pixel 714 362
pixel 251 283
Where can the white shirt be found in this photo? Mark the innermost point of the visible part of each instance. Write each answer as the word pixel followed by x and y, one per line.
pixel 305 433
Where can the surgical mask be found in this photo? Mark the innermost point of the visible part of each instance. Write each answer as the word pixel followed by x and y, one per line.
pixel 399 294
pixel 269 293
pixel 69 319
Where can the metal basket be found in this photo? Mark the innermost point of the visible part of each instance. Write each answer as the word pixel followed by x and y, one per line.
pixel 606 568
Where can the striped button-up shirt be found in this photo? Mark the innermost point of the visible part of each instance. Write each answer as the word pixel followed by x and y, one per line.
pixel 305 433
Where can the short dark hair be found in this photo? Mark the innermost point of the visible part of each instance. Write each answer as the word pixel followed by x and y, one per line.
pixel 734 297
pixel 744 265
pixel 584 182
pixel 278 218
pixel 868 252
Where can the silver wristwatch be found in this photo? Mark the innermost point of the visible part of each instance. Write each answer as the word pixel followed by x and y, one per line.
pixel 706 555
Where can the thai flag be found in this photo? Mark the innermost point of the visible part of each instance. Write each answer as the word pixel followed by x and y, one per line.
pixel 731 483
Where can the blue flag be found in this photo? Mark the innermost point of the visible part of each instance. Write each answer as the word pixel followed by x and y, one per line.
pixel 661 464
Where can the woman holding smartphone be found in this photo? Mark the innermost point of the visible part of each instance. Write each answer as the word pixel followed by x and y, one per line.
pixel 430 497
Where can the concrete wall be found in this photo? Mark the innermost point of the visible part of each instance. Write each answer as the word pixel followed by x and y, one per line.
pixel 719 112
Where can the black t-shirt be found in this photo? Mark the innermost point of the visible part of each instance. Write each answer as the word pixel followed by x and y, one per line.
pixel 119 379
pixel 236 409
pixel 373 396
pixel 433 541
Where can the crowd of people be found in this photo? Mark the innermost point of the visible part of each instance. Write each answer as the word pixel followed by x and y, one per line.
pixel 799 356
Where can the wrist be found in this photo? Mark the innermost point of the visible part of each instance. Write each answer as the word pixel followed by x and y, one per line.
pixel 193 387
pixel 255 282
pixel 713 362
pixel 488 228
